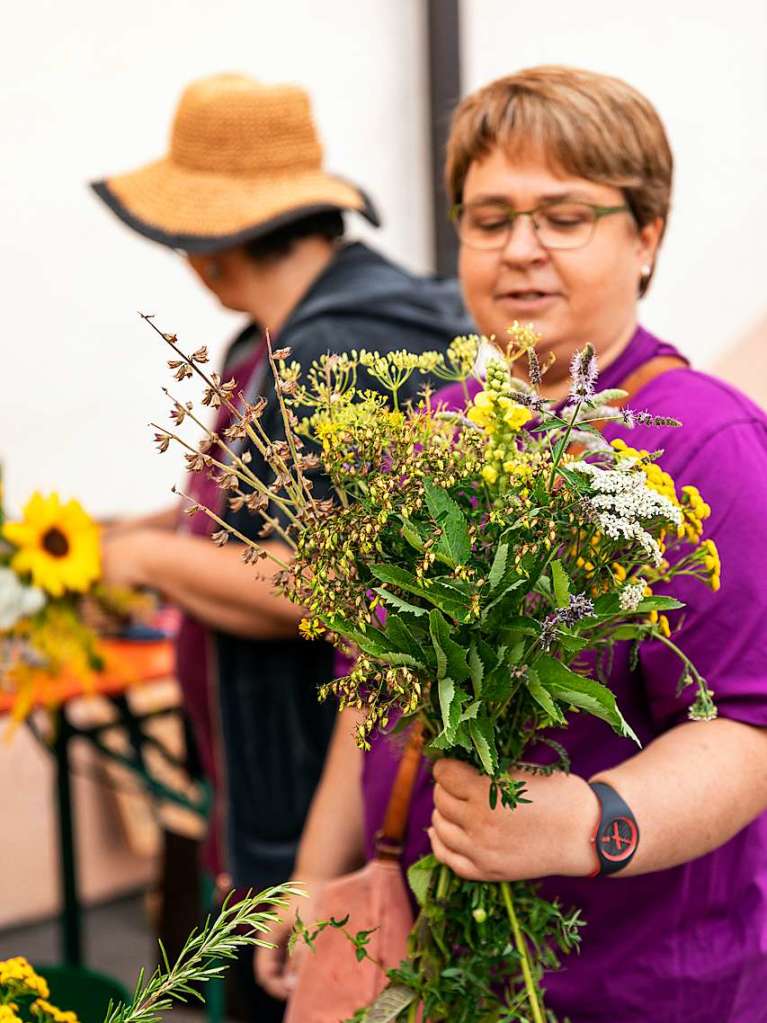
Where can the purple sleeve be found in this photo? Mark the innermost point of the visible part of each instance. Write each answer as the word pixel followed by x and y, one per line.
pixel 724 633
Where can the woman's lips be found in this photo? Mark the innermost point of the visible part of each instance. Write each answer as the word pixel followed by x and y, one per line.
pixel 527 302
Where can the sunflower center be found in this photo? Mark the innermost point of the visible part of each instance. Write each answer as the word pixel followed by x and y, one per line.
pixel 55 543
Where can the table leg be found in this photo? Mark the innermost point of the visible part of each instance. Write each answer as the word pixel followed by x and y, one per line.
pixel 71 910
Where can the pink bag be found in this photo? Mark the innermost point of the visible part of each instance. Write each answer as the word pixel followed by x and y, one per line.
pixel 330 984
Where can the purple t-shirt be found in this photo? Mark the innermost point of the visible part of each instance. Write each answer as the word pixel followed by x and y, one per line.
pixel 686 945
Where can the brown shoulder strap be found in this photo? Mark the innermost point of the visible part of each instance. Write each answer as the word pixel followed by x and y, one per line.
pixel 646 373
pixel 391 836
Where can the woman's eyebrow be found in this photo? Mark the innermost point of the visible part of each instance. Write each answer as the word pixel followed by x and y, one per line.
pixel 566 195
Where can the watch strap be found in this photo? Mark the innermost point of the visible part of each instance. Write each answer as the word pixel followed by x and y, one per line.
pixel 616 836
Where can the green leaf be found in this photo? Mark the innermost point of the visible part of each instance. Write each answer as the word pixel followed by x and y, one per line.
pixel 411 534
pixel 471 711
pixel 398 659
pixel 561 584
pixel 476 670
pixel 585 693
pixel 400 636
pixel 483 740
pixel 454 544
pixel 659 604
pixel 498 567
pixel 370 640
pixel 400 604
pixel 543 698
pixel 451 658
pixel 419 877
pixel 446 598
pixel 389 1004
pixel 446 688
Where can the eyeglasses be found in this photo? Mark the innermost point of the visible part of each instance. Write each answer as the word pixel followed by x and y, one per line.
pixel 557 225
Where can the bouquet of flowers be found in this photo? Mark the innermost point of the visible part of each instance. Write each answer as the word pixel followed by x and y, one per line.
pixel 481 561
pixel 50 565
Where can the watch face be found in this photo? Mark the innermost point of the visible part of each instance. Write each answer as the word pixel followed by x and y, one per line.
pixel 618 839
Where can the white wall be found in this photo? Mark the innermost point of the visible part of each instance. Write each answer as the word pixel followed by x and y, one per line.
pixel 703 63
pixel 89 89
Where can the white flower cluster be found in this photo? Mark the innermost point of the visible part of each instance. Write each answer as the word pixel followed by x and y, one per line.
pixel 16 600
pixel 622 501
pixel 630 597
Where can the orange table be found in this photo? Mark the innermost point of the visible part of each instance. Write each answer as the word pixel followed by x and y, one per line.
pixel 128 664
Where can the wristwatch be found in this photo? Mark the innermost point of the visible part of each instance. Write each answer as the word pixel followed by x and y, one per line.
pixel 616 835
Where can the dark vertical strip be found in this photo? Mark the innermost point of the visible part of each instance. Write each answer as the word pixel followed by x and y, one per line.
pixel 71 913
pixel 444 46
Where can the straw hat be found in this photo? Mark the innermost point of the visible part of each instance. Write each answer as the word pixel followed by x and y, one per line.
pixel 244 160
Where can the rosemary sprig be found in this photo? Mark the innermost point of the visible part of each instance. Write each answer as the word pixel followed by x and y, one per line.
pixel 204 955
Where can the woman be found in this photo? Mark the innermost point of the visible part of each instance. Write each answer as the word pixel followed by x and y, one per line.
pixel 562 185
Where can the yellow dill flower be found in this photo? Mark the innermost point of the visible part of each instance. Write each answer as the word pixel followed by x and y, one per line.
pixel 58 545
pixel 7 1014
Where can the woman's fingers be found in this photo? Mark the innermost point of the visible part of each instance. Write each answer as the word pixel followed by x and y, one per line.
pixel 459 864
pixel 451 808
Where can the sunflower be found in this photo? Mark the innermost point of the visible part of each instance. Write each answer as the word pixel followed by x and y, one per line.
pixel 58 545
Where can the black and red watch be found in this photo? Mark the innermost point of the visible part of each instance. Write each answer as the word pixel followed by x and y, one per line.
pixel 617 833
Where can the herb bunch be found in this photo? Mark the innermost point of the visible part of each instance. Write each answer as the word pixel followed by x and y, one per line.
pixel 482 564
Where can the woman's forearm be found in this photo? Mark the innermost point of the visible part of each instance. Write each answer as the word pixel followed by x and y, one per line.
pixel 691 790
pixel 332 842
pixel 212 583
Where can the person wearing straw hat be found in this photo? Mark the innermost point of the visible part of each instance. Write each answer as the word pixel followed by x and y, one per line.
pixel 243 194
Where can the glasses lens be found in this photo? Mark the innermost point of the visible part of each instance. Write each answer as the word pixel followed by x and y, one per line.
pixel 565 225
pixel 483 226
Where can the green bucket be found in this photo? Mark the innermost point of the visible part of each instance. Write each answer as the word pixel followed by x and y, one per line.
pixel 85 992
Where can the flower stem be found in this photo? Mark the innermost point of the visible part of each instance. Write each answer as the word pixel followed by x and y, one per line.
pixel 524 955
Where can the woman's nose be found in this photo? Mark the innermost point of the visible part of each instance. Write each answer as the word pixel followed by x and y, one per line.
pixel 523 245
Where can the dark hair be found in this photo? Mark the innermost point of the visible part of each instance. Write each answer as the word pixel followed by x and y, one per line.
pixel 328 224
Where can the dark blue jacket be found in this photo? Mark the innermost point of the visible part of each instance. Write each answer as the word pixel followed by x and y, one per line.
pixel 275 732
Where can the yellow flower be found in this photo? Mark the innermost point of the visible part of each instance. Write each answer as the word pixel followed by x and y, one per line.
pixel 516 417
pixel 44 1009
pixel 310 628
pixel 18 973
pixel 490 473
pixel 58 545
pixel 665 628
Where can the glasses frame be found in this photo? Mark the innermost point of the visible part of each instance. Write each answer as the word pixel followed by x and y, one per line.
pixel 512 215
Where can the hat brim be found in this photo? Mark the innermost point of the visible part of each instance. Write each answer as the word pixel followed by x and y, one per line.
pixel 202 212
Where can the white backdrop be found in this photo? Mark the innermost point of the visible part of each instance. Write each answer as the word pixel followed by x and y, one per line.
pixel 89 89
pixel 703 63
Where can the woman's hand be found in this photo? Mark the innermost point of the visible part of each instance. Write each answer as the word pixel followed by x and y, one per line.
pixel 125 555
pixel 549 835
pixel 276 971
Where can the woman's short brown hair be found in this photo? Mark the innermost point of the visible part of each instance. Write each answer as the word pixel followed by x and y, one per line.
pixel 586 124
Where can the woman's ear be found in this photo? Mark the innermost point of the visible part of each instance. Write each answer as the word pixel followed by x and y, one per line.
pixel 649 239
